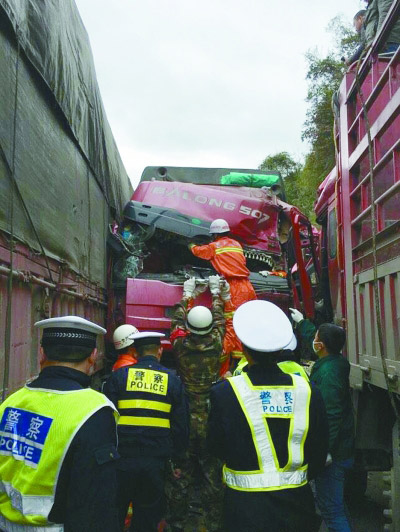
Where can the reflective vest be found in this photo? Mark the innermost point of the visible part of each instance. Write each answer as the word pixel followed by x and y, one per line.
pixel 37 427
pixel 144 402
pixel 288 366
pixel 226 256
pixel 258 404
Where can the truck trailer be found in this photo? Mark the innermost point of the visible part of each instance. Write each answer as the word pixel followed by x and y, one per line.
pixel 358 207
pixel 61 180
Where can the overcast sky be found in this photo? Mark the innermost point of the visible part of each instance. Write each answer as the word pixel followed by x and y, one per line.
pixel 206 82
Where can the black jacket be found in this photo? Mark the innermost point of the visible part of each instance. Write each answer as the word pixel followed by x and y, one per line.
pixel 85 496
pixel 229 438
pixel 143 440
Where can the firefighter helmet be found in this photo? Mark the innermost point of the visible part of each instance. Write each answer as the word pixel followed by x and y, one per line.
pixel 199 320
pixel 262 326
pixel 219 226
pixel 121 336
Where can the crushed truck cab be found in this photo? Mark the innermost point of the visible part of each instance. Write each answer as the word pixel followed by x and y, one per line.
pixel 151 258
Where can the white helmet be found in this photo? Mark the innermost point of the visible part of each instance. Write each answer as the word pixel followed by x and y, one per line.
pixel 121 336
pixel 219 226
pixel 199 320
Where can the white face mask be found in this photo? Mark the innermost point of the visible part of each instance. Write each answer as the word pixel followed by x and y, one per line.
pixel 316 351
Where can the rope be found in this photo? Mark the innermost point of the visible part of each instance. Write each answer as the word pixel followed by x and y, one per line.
pixel 7 340
pixel 377 302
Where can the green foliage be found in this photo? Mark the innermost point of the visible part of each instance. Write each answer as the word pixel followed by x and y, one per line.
pixel 324 76
pixel 289 169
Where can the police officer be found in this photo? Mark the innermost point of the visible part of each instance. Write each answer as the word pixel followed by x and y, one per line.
pixel 58 440
pixel 153 427
pixel 269 428
pixel 197 335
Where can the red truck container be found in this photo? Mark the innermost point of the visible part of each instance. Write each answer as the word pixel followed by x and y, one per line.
pixel 61 180
pixel 174 206
pixel 358 207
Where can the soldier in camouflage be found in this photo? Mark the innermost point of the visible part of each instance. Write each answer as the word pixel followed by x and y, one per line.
pixel 197 337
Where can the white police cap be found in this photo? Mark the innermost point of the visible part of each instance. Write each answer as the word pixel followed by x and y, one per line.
pixel 70 322
pixel 146 338
pixel 262 326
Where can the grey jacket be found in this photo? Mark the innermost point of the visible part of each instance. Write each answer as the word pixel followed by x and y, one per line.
pixel 374 17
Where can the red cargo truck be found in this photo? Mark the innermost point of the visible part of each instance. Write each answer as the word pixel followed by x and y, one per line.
pixel 358 208
pixel 172 207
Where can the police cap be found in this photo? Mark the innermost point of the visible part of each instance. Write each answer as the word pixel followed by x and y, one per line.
pixel 262 326
pixel 69 331
pixel 146 338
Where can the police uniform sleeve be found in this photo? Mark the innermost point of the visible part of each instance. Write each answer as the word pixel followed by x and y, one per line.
pixel 316 446
pixel 215 431
pixel 179 420
pixel 86 491
pixel 111 388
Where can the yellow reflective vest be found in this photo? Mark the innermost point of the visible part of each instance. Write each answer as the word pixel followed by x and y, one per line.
pixel 258 404
pixel 288 366
pixel 37 427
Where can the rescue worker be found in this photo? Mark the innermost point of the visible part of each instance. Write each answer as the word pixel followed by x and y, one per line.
pixel 330 374
pixel 58 440
pixel 153 427
pixel 123 344
pixel 270 429
pixel 197 338
pixel 227 258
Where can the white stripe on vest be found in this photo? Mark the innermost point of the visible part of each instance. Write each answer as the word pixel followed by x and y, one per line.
pixel 259 402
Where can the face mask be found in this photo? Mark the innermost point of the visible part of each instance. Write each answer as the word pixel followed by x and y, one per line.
pixel 316 351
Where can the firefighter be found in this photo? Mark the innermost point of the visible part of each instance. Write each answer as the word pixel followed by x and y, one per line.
pixel 270 430
pixel 197 337
pixel 153 427
pixel 58 444
pixel 124 348
pixel 227 257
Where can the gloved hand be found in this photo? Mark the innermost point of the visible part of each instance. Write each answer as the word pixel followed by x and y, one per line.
pixel 264 273
pixel 213 283
pixel 225 291
pixel 297 316
pixel 188 287
pixel 200 288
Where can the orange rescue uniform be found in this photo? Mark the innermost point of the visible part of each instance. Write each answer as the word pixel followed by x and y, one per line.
pixel 124 360
pixel 227 257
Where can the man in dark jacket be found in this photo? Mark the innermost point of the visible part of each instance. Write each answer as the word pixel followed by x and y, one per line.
pixel 330 374
pixel 58 444
pixel 270 429
pixel 153 427
pixel 197 336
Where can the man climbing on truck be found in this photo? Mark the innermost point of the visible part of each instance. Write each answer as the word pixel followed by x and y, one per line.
pixel 227 257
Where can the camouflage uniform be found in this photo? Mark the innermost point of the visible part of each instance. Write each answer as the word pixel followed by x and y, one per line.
pixel 198 361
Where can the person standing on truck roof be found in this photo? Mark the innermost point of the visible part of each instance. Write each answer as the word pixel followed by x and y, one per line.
pixel 197 336
pixel 153 427
pixel 227 257
pixel 374 18
pixel 330 374
pixel 270 430
pixel 58 446
pixel 123 345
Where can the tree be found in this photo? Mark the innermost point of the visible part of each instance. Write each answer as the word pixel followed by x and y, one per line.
pixel 289 169
pixel 324 75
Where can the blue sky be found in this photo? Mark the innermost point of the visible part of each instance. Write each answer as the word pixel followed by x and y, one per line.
pixel 206 83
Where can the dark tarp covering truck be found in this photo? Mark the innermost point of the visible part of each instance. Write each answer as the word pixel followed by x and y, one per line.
pixel 61 178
